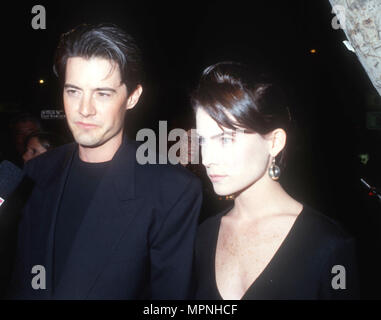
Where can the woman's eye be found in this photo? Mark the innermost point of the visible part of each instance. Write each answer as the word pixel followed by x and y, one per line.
pixel 226 140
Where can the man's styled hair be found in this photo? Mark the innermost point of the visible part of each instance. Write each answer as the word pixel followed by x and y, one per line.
pixel 103 41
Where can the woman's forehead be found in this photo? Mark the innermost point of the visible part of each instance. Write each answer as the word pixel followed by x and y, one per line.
pixel 206 126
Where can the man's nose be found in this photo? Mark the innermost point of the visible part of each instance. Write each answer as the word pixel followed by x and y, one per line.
pixel 87 107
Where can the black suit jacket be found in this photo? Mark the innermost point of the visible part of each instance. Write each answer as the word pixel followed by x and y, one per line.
pixel 136 239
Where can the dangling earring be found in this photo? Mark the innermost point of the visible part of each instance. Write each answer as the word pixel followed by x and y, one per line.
pixel 274 171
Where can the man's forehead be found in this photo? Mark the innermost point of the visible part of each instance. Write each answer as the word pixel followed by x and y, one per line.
pixel 93 69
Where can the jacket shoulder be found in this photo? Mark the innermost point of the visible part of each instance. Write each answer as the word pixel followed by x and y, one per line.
pixel 37 167
pixel 163 184
pixel 162 174
pixel 166 182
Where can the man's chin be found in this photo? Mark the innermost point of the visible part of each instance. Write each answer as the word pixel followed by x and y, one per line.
pixel 88 143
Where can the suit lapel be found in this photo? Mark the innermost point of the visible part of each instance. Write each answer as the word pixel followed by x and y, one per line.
pixel 111 211
pixel 52 187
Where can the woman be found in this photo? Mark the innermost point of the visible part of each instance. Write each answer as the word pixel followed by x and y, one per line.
pixel 268 245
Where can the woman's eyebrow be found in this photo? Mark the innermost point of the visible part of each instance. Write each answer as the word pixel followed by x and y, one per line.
pixel 214 136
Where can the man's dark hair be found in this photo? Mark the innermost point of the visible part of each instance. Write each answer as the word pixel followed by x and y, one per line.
pixel 104 41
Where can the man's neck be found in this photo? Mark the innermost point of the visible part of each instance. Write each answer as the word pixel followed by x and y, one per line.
pixel 103 153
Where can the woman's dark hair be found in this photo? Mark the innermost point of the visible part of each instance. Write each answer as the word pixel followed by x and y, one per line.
pixel 105 41
pixel 48 140
pixel 231 88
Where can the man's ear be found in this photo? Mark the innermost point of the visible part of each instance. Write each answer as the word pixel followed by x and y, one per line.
pixel 278 139
pixel 134 97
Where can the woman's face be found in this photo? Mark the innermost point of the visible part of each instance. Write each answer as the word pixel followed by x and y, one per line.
pixel 234 160
pixel 33 149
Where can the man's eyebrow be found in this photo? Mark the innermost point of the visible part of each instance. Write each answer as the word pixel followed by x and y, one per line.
pixel 105 89
pixel 68 85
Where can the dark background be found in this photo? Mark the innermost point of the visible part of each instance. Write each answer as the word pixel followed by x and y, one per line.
pixel 329 92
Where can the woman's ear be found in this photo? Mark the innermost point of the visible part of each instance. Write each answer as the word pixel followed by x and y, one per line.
pixel 278 139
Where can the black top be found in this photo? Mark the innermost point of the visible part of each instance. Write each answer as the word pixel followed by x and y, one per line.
pixel 80 187
pixel 300 269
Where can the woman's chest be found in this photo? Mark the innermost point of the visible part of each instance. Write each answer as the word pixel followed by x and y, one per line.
pixel 242 255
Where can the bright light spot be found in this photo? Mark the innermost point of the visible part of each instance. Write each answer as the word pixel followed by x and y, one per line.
pixel 364 158
pixel 41 81
pixel 313 51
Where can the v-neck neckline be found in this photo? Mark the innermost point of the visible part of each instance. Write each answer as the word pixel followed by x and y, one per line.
pixel 277 253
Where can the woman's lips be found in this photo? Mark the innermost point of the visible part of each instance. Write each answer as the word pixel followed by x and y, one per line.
pixel 216 177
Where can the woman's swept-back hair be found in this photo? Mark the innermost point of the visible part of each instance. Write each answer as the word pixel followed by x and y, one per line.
pixel 103 41
pixel 235 97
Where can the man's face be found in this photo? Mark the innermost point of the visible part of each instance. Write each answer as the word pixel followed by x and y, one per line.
pixel 95 101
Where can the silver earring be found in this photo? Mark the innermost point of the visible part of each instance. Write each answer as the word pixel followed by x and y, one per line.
pixel 274 171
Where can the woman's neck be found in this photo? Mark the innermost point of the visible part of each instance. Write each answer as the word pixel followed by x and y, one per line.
pixel 263 199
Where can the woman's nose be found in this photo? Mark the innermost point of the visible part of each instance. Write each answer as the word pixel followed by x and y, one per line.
pixel 210 155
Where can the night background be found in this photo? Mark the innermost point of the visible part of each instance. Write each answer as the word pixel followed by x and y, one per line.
pixel 329 93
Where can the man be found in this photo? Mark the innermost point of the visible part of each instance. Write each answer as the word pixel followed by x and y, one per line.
pixel 98 225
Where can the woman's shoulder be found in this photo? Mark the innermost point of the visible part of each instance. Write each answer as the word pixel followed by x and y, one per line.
pixel 322 227
pixel 210 226
pixel 214 219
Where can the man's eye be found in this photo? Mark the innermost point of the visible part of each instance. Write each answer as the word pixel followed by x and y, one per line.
pixel 103 94
pixel 72 92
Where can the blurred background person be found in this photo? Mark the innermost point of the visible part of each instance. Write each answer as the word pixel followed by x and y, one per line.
pixel 38 143
pixel 20 127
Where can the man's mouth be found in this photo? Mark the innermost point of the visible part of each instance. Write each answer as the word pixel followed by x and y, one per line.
pixel 85 125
